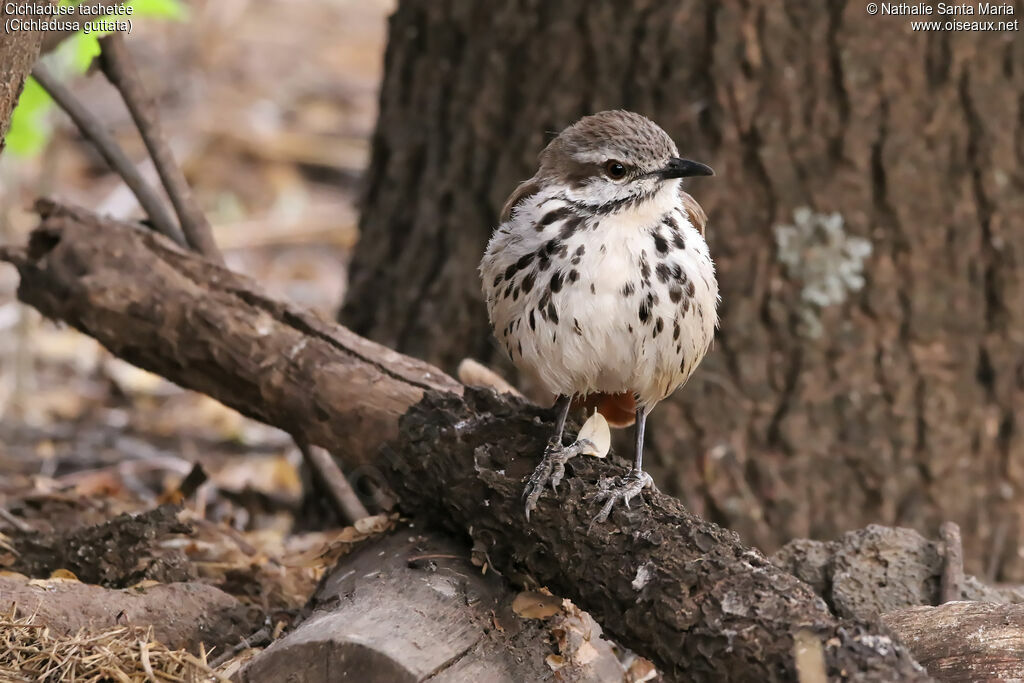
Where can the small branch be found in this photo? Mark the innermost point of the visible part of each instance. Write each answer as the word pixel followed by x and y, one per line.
pixel 15 522
pixel 258 639
pixel 120 71
pixel 344 499
pixel 952 581
pixel 475 374
pixel 94 132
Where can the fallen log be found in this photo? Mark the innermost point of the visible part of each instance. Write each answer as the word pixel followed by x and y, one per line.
pixel 964 641
pixel 411 607
pixel 183 615
pixel 673 587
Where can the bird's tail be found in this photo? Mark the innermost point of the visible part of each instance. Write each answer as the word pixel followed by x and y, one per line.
pixel 618 409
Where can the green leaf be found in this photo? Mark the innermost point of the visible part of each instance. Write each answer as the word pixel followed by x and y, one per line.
pixel 82 50
pixel 161 9
pixel 30 127
pixel 86 46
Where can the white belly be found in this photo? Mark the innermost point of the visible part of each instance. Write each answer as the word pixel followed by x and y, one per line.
pixel 610 325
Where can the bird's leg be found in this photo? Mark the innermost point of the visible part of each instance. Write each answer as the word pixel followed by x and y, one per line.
pixel 564 403
pixel 552 466
pixel 633 483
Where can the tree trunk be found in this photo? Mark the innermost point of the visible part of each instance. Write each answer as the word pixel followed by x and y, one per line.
pixel 18 52
pixel 841 141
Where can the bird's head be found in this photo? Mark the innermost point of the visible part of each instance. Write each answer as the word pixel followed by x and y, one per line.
pixel 612 157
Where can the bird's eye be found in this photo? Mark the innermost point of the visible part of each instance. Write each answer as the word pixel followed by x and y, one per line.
pixel 615 170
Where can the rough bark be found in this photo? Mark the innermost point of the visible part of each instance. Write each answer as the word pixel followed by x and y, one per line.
pixel 116 554
pixel 900 409
pixel 18 52
pixel 411 607
pixel 964 641
pixel 877 570
pixel 677 589
pixel 660 580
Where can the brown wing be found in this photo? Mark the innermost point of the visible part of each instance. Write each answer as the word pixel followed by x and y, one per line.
pixel 698 218
pixel 526 189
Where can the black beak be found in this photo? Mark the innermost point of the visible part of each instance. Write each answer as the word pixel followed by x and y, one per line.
pixel 684 168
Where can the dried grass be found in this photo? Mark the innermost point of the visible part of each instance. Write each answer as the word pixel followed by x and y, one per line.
pixel 126 654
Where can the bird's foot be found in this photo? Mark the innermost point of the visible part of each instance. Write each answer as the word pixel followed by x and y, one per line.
pixel 624 488
pixel 552 469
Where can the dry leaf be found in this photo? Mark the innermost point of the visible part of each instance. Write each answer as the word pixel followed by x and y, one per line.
pixel 100 483
pixel 46 584
pixel 374 524
pixel 585 654
pixel 274 475
pixel 64 574
pixel 144 584
pixel 496 623
pixel 327 548
pixel 534 605
pixel 641 670
pixel 556 662
pixel 595 430
pixel 132 380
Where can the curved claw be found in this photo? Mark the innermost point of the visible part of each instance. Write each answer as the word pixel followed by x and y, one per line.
pixel 628 488
pixel 551 470
pixel 541 475
pixel 558 472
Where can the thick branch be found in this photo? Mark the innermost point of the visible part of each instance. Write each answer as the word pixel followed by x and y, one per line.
pixel 214 331
pixel 964 641
pixel 664 582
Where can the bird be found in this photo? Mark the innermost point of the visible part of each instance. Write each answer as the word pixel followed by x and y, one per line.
pixel 600 286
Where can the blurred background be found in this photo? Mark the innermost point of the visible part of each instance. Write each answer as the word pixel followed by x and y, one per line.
pixel 867 218
pixel 271 119
pixel 270 115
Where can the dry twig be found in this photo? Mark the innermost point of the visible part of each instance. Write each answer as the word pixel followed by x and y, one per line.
pixel 94 132
pixel 952 581
pixel 259 639
pixel 120 71
pixel 344 499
